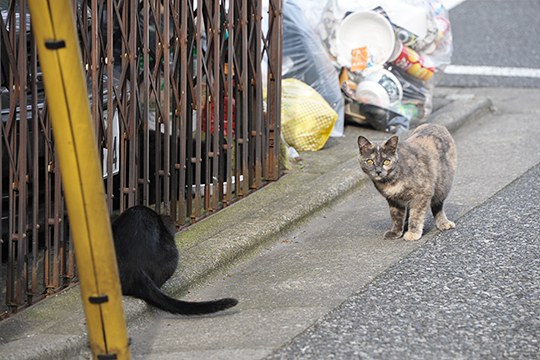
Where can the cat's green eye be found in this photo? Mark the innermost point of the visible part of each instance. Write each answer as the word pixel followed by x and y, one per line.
pixel 369 161
pixel 386 162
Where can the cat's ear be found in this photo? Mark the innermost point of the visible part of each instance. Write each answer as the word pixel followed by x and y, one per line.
pixel 391 144
pixel 363 143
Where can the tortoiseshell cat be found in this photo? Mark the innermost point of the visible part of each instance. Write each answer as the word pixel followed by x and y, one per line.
pixel 414 175
pixel 147 257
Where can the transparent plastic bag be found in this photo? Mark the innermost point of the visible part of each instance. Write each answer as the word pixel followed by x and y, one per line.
pixel 305 59
pixel 432 39
pixel 426 21
pixel 423 46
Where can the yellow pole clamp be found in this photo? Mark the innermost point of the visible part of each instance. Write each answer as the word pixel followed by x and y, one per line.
pixel 59 55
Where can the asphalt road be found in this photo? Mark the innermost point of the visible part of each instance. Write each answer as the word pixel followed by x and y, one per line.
pixel 499 34
pixel 467 294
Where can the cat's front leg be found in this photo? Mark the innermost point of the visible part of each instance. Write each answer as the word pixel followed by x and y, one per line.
pixel 397 214
pixel 417 214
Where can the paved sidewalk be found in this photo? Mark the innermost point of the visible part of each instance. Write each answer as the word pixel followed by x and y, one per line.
pixel 55 328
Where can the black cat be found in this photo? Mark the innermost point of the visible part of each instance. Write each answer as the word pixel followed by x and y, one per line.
pixel 147 257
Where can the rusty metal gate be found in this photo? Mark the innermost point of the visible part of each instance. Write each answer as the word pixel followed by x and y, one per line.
pixel 185 95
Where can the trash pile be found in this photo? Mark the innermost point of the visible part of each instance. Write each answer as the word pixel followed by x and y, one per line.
pixel 372 61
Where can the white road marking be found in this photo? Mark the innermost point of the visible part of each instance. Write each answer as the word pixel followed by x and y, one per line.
pixel 532 73
pixel 492 71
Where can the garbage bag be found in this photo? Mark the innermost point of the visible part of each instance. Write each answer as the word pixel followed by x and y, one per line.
pixel 422 47
pixel 306 118
pixel 306 59
pixel 421 24
pixel 384 119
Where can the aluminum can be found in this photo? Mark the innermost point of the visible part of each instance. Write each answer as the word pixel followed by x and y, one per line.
pixel 414 64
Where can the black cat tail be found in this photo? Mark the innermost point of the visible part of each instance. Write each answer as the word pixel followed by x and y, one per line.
pixel 153 295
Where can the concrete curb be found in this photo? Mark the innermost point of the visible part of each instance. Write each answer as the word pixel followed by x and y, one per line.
pixel 55 329
pixel 455 114
pixel 218 251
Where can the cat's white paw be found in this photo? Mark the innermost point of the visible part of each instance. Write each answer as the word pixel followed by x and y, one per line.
pixel 445 225
pixel 411 236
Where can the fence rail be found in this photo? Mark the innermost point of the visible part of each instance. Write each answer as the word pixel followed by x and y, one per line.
pixel 185 97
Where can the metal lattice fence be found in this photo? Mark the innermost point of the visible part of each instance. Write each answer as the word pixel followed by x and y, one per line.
pixel 185 96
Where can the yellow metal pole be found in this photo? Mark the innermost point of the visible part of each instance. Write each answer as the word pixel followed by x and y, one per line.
pixel 59 55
